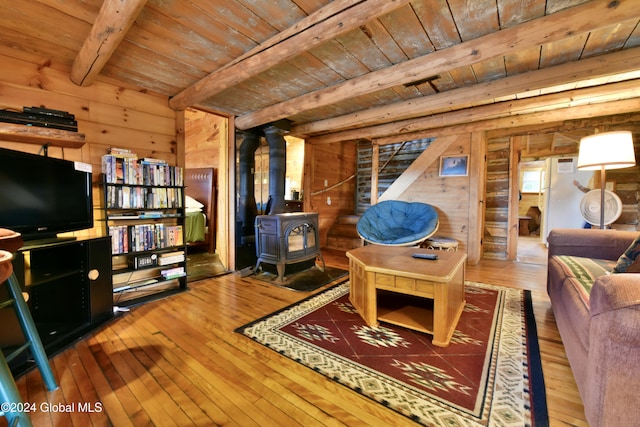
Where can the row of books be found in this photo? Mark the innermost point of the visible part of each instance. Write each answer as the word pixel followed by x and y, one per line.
pixel 173 273
pixel 143 197
pixel 121 166
pixel 171 258
pixel 144 237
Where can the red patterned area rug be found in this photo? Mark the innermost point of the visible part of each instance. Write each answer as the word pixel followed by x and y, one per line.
pixel 490 374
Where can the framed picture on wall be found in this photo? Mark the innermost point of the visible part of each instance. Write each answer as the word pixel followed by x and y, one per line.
pixel 454 165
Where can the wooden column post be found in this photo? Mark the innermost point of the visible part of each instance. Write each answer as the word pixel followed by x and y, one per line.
pixel 514 187
pixel 375 164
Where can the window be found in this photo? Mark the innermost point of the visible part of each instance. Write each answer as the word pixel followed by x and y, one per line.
pixel 532 180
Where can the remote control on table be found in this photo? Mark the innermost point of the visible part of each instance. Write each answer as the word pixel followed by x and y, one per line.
pixel 426 256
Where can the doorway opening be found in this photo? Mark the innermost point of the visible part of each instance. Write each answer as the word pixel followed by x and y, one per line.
pixel 531 191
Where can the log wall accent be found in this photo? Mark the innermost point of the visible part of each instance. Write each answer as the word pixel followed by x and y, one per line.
pixel 392 161
pixel 497 199
pixel 109 116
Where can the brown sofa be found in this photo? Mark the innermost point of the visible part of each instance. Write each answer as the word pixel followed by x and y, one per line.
pixel 598 316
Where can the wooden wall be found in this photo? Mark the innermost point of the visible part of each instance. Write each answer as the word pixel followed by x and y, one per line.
pixel 457 199
pixel 449 195
pixel 109 115
pixel 330 164
pixel 204 134
pixel 498 233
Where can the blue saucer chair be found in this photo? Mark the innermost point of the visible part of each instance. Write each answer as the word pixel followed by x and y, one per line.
pixel 398 223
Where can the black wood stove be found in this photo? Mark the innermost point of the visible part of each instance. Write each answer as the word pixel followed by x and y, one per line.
pixel 281 237
pixel 287 238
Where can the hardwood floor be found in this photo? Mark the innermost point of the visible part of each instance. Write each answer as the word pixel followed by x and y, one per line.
pixel 178 362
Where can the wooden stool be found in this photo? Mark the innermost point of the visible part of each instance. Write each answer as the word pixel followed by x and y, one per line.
pixel 12 241
pixel 523 225
pixel 441 243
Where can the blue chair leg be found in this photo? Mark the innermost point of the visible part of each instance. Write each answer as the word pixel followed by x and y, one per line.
pixel 10 397
pixel 31 333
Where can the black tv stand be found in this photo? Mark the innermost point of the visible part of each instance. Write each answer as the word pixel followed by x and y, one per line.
pixel 45 241
pixel 70 292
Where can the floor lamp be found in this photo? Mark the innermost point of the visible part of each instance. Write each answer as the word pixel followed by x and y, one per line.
pixel 607 150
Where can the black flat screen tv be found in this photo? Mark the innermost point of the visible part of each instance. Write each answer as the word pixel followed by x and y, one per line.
pixel 42 196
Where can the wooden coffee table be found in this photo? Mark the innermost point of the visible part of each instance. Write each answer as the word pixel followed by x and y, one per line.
pixel 388 284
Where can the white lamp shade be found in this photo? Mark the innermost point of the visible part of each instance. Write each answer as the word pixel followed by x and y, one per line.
pixel 613 150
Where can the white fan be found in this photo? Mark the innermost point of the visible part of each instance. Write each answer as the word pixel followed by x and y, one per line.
pixel 590 207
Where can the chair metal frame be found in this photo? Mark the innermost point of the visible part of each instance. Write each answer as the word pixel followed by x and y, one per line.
pixel 9 393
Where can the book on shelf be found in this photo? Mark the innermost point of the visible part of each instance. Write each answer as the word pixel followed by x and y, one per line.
pixel 123 153
pixel 171 260
pixel 154 161
pixel 134 284
pixel 124 197
pixel 173 273
pixel 144 237
pixel 171 254
pixel 124 167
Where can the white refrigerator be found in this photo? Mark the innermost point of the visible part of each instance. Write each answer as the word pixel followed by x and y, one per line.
pixel 561 201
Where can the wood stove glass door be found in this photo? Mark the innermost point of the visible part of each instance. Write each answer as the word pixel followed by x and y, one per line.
pixel 301 240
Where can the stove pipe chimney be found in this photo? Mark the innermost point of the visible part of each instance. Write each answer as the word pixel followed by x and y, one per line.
pixel 247 207
pixel 277 169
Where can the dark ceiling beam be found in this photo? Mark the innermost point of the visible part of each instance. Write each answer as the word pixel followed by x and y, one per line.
pixel 327 23
pixel 109 29
pixel 537 32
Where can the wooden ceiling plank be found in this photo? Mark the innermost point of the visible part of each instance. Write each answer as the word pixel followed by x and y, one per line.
pixel 610 38
pixel 194 30
pixel 297 43
pixel 513 12
pixel 381 38
pixel 489 70
pixel 571 73
pixel 474 18
pixel 326 12
pixel 561 51
pixel 313 67
pixel 462 77
pixel 522 61
pixel 537 32
pixel 361 47
pixel 109 29
pixel 156 65
pixel 235 15
pixel 332 54
pixel 407 31
pixel 438 22
pixel 279 13
pixel 193 55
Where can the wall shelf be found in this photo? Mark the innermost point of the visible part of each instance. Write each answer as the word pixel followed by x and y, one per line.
pixel 41 135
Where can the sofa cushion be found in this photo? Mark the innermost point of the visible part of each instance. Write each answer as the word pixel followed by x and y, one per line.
pixel 584 271
pixel 628 257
